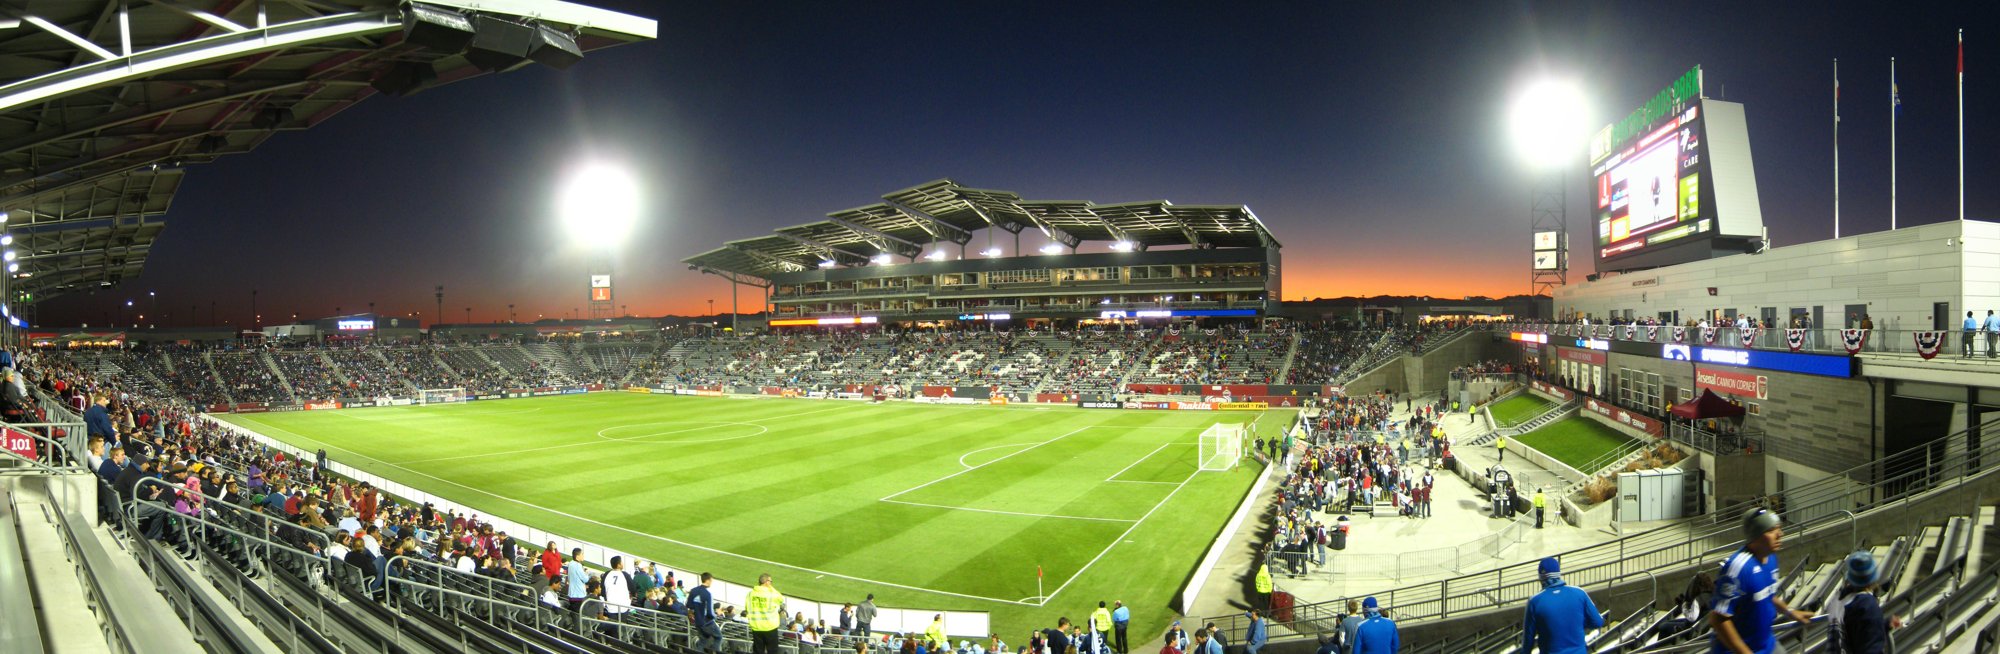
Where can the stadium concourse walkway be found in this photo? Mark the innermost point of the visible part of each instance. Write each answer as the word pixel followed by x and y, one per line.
pixel 1461 516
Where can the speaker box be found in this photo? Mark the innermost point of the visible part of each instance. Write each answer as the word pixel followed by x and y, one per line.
pixel 499 44
pixel 437 30
pixel 554 49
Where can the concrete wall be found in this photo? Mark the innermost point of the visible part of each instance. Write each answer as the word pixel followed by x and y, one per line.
pixel 1819 422
pixel 1895 274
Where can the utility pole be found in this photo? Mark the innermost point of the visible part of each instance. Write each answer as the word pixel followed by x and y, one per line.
pixel 510 313
pixel 253 309
pixel 440 299
pixel 468 315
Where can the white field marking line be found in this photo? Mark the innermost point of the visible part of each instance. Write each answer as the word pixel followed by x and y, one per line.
pixel 1128 530
pixel 607 439
pixel 907 491
pixel 1156 450
pixel 1019 513
pixel 961 457
pixel 761 430
pixel 640 534
pixel 1121 537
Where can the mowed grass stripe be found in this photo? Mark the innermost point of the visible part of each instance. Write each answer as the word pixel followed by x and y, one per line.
pixel 805 494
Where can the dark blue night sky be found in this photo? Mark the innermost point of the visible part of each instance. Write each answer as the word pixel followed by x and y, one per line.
pixel 1370 138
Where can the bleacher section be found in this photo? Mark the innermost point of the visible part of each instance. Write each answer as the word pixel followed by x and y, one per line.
pixel 247 379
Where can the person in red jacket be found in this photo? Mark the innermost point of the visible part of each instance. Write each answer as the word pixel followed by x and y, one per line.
pixel 551 561
pixel 366 507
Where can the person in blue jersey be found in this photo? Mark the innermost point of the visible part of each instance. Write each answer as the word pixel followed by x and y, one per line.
pixel 1746 593
pixel 1377 634
pixel 1559 616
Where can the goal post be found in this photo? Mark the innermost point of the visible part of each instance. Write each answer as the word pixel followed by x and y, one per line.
pixel 440 395
pixel 1222 446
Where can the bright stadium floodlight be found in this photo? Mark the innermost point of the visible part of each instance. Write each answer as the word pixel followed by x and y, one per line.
pixel 1549 123
pixel 827 263
pixel 14 267
pixel 1052 248
pixel 10 256
pixel 880 259
pixel 991 252
pixel 1122 246
pixel 599 204
pixel 935 255
pixel 6 239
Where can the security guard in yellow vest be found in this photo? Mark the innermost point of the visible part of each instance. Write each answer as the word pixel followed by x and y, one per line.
pixel 1500 443
pixel 1541 503
pixel 764 611
pixel 1264 585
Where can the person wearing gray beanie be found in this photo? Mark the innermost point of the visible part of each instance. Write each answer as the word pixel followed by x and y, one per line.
pixel 1746 597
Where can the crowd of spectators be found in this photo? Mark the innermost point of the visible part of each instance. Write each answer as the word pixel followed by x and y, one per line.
pixel 246 378
pixel 1356 458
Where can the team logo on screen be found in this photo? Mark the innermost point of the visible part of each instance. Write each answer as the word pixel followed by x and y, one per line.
pixel 1674 352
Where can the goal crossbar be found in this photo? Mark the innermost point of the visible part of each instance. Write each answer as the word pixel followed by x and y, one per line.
pixel 1222 446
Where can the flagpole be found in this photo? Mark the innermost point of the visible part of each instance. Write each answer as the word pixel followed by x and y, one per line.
pixel 1836 148
pixel 1894 101
pixel 1961 124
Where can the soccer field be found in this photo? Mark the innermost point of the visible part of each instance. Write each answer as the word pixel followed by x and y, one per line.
pixel 937 507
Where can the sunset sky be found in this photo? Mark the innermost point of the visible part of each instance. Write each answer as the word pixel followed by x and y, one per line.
pixel 1369 137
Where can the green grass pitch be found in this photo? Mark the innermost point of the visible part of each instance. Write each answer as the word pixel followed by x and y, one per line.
pixel 1575 441
pixel 938 507
pixel 1519 409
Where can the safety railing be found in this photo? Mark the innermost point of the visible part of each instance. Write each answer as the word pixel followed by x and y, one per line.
pixel 1407 566
pixel 53 455
pixel 1818 340
pixel 1828 508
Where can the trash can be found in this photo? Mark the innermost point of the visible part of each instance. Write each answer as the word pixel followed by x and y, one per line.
pixel 1339 537
pixel 1281 606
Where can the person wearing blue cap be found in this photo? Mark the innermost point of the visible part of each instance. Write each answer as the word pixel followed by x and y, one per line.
pixel 1858 624
pixel 1559 616
pixel 1746 593
pixel 1377 634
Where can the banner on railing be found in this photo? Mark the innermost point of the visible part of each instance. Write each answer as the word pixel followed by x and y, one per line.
pixel 1680 334
pixel 1929 343
pixel 1795 339
pixel 1854 339
pixel 1748 335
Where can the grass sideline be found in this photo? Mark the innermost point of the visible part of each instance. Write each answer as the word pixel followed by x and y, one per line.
pixel 1575 441
pixel 1519 409
pixel 954 506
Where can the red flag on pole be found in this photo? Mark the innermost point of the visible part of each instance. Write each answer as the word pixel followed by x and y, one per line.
pixel 1038 572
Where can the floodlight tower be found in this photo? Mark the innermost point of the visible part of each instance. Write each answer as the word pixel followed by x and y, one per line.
pixel 599 204
pixel 1548 124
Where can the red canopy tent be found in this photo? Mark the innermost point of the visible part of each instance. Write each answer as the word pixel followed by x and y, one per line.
pixel 1707 406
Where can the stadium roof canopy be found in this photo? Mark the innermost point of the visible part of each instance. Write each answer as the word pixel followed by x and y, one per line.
pixel 103 103
pixel 913 220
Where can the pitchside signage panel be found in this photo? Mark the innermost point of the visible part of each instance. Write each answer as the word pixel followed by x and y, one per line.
pixel 1808 364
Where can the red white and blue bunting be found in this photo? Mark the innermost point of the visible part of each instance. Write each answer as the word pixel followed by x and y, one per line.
pixel 1928 343
pixel 1749 335
pixel 1680 334
pixel 1708 335
pixel 1796 338
pixel 1653 333
pixel 1854 339
pixel 1631 331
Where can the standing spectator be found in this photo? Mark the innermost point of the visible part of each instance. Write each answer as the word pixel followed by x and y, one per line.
pixel 578 577
pixel 1254 639
pixel 1745 601
pixel 864 615
pixel 1541 506
pixel 762 611
pixel 1971 332
pixel 1349 625
pixel 617 589
pixel 1264 583
pixel 701 612
pixel 1858 624
pixel 1500 446
pixel 1377 634
pixel 1058 638
pixel 98 418
pixel 1559 616
pixel 1177 638
pixel 1121 618
pixel 846 617
pixel 1992 334
pixel 551 561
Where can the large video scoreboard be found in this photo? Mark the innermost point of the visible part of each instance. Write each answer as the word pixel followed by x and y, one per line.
pixel 1671 178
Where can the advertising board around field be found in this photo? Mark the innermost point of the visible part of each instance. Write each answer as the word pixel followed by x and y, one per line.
pixel 1101 405
pixel 316 406
pixel 1621 416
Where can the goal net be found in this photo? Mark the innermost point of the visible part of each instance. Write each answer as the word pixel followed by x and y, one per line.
pixel 440 395
pixel 1222 446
